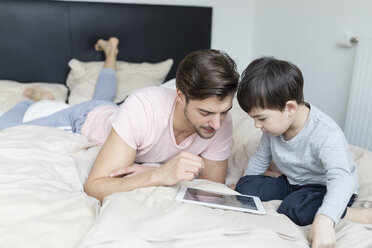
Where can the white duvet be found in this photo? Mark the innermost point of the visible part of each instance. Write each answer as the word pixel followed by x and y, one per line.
pixel 42 204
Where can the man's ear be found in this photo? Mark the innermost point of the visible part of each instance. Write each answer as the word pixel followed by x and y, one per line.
pixel 180 97
pixel 291 107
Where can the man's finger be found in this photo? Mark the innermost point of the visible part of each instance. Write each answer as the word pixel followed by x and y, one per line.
pixel 193 169
pixel 130 175
pixel 191 156
pixel 187 162
pixel 120 171
pixel 189 176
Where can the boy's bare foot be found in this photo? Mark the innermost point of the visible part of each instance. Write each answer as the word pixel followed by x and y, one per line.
pixel 360 215
pixel 232 186
pixel 367 213
pixel 36 93
pixel 109 47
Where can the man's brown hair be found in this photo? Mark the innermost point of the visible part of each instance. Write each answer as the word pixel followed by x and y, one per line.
pixel 207 73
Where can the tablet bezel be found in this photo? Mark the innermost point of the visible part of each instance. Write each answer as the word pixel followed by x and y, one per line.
pixel 260 208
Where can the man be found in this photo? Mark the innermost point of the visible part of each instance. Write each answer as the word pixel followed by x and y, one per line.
pixel 187 130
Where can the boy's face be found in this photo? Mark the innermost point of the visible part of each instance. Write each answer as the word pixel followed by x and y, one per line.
pixel 274 122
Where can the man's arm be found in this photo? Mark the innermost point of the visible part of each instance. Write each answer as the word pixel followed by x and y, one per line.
pixel 115 153
pixel 214 170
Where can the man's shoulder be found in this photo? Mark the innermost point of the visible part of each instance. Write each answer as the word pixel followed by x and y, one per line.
pixel 153 97
pixel 154 91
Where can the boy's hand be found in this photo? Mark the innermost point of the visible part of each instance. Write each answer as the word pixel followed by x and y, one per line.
pixel 270 173
pixel 322 233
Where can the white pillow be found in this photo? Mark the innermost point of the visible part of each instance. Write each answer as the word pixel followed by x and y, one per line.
pixel 170 84
pixel 130 76
pixel 244 143
pixel 11 92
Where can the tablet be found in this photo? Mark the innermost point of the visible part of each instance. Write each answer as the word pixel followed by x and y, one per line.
pixel 244 203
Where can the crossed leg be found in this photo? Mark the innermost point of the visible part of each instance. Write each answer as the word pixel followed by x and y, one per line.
pixel 110 48
pixel 105 88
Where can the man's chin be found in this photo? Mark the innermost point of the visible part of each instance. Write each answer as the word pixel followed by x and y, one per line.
pixel 206 135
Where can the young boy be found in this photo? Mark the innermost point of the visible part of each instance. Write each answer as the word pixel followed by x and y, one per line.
pixel 319 178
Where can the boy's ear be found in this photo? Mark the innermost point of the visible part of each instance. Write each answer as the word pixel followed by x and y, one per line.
pixel 291 107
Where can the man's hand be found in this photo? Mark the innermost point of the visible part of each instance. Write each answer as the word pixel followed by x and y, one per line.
pixel 130 171
pixel 322 233
pixel 185 166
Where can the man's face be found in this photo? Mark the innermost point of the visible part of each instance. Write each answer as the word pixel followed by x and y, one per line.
pixel 205 116
pixel 274 122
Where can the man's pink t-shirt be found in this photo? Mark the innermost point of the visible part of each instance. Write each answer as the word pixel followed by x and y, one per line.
pixel 145 122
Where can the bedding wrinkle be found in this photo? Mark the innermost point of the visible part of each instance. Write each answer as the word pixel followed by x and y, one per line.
pixel 42 203
pixel 160 221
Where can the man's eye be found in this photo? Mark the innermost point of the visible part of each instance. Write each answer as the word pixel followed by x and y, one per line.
pixel 204 113
pixel 262 119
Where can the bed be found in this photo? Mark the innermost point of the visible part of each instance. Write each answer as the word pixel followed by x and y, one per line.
pixel 43 170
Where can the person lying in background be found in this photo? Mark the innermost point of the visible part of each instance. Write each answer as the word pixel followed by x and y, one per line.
pixel 187 130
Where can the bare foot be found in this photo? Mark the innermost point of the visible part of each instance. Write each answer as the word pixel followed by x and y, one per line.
pixel 109 47
pixel 36 93
pixel 360 215
pixel 232 186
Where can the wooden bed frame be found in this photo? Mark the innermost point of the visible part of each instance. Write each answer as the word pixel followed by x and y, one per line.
pixel 38 38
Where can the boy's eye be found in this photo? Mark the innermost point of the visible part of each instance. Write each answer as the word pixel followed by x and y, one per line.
pixel 262 119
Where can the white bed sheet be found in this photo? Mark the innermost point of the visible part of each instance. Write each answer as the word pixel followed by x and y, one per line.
pixel 42 204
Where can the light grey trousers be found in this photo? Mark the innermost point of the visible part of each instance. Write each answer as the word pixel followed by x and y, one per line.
pixel 72 118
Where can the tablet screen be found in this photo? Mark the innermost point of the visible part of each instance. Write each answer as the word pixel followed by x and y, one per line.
pixel 228 200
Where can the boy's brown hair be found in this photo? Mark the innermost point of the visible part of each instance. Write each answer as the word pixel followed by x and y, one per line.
pixel 268 83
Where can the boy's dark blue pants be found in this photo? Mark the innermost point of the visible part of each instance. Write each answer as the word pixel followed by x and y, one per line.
pixel 300 203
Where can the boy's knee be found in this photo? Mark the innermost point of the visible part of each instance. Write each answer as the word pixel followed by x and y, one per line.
pixel 247 185
pixel 296 211
pixel 261 186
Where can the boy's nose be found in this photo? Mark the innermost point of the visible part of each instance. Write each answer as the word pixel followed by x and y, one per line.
pixel 257 124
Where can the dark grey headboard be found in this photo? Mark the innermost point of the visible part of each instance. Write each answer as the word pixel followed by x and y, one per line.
pixel 38 38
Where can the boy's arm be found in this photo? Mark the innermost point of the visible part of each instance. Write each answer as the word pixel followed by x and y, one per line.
pixel 339 167
pixel 115 153
pixel 261 159
pixel 322 233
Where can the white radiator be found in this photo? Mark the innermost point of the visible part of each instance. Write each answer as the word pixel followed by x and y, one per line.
pixel 358 126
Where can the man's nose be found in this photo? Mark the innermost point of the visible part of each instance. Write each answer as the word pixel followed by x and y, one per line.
pixel 215 123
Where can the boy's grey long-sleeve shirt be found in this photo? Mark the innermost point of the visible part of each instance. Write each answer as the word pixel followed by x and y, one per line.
pixel 318 154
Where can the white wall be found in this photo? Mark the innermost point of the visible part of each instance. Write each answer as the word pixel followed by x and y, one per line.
pixel 306 33
pixel 303 32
